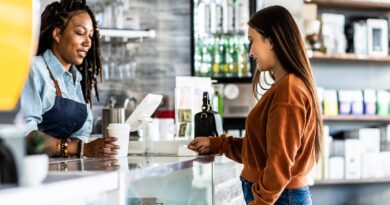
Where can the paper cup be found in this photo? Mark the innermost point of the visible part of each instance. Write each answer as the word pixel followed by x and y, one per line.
pixel 122 132
pixel 36 168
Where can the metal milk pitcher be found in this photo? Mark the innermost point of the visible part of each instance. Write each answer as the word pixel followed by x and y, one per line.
pixel 112 115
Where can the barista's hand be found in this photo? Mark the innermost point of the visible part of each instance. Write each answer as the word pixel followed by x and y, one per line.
pixel 102 147
pixel 200 145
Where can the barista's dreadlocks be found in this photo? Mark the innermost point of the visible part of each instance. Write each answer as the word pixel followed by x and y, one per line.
pixel 57 15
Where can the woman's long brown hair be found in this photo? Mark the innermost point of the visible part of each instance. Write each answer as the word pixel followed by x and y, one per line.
pixel 277 24
pixel 57 15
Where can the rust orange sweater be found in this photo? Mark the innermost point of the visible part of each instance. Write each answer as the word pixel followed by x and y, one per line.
pixel 278 148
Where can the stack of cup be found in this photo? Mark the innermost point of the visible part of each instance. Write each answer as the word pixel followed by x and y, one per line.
pixel 122 132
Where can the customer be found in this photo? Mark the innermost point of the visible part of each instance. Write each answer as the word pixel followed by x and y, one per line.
pixel 284 130
pixel 58 93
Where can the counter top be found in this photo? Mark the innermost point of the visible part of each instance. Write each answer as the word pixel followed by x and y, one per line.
pixel 57 187
pixel 181 180
pixel 132 179
pixel 136 166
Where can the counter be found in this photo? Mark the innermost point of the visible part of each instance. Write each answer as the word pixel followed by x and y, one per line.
pixel 65 188
pixel 134 180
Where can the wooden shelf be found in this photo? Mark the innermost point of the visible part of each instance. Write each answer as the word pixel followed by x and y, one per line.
pixel 353 4
pixel 352 181
pixel 357 118
pixel 349 58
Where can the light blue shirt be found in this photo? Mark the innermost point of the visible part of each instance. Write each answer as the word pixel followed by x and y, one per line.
pixel 39 93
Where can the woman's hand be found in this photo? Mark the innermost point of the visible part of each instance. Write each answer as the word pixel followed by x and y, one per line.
pixel 200 145
pixel 102 147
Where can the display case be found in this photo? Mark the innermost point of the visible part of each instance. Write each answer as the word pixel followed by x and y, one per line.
pixel 164 179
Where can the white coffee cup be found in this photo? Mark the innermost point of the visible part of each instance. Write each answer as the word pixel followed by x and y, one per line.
pixel 36 168
pixel 122 132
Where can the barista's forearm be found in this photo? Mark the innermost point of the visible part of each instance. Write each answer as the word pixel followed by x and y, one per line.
pixel 51 144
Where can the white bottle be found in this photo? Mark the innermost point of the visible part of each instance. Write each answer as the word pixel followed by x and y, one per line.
pixel 146 136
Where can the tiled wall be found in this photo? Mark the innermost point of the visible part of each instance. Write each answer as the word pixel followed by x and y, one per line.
pixel 167 55
pixel 162 58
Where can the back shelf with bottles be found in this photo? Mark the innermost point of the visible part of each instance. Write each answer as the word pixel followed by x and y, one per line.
pixel 220 45
pixel 222 56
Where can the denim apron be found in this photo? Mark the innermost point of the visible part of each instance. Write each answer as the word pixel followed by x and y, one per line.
pixel 65 117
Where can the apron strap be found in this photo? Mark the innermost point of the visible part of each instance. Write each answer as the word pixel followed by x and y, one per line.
pixel 58 90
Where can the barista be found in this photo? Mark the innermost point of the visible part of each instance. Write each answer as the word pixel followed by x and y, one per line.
pixel 56 101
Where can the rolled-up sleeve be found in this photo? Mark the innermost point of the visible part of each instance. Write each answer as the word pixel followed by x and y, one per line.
pixel 31 102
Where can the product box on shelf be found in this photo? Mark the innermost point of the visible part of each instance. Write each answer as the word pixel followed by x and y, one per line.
pixel 350 102
pixel 336 167
pixel 385 138
pixel 383 102
pixel 369 102
pixel 369 139
pixel 330 103
pixel 372 165
pixel 352 159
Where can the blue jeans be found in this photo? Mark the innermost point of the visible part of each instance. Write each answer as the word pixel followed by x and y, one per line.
pixel 293 196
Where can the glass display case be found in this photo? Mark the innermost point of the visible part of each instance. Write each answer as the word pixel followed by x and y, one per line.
pixel 156 179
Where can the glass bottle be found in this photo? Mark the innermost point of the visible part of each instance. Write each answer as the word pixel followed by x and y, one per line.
pixel 198 57
pixel 218 103
pixel 247 57
pixel 205 69
pixel 234 53
pixel 216 59
pixel 228 57
pixel 222 53
pixel 244 61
